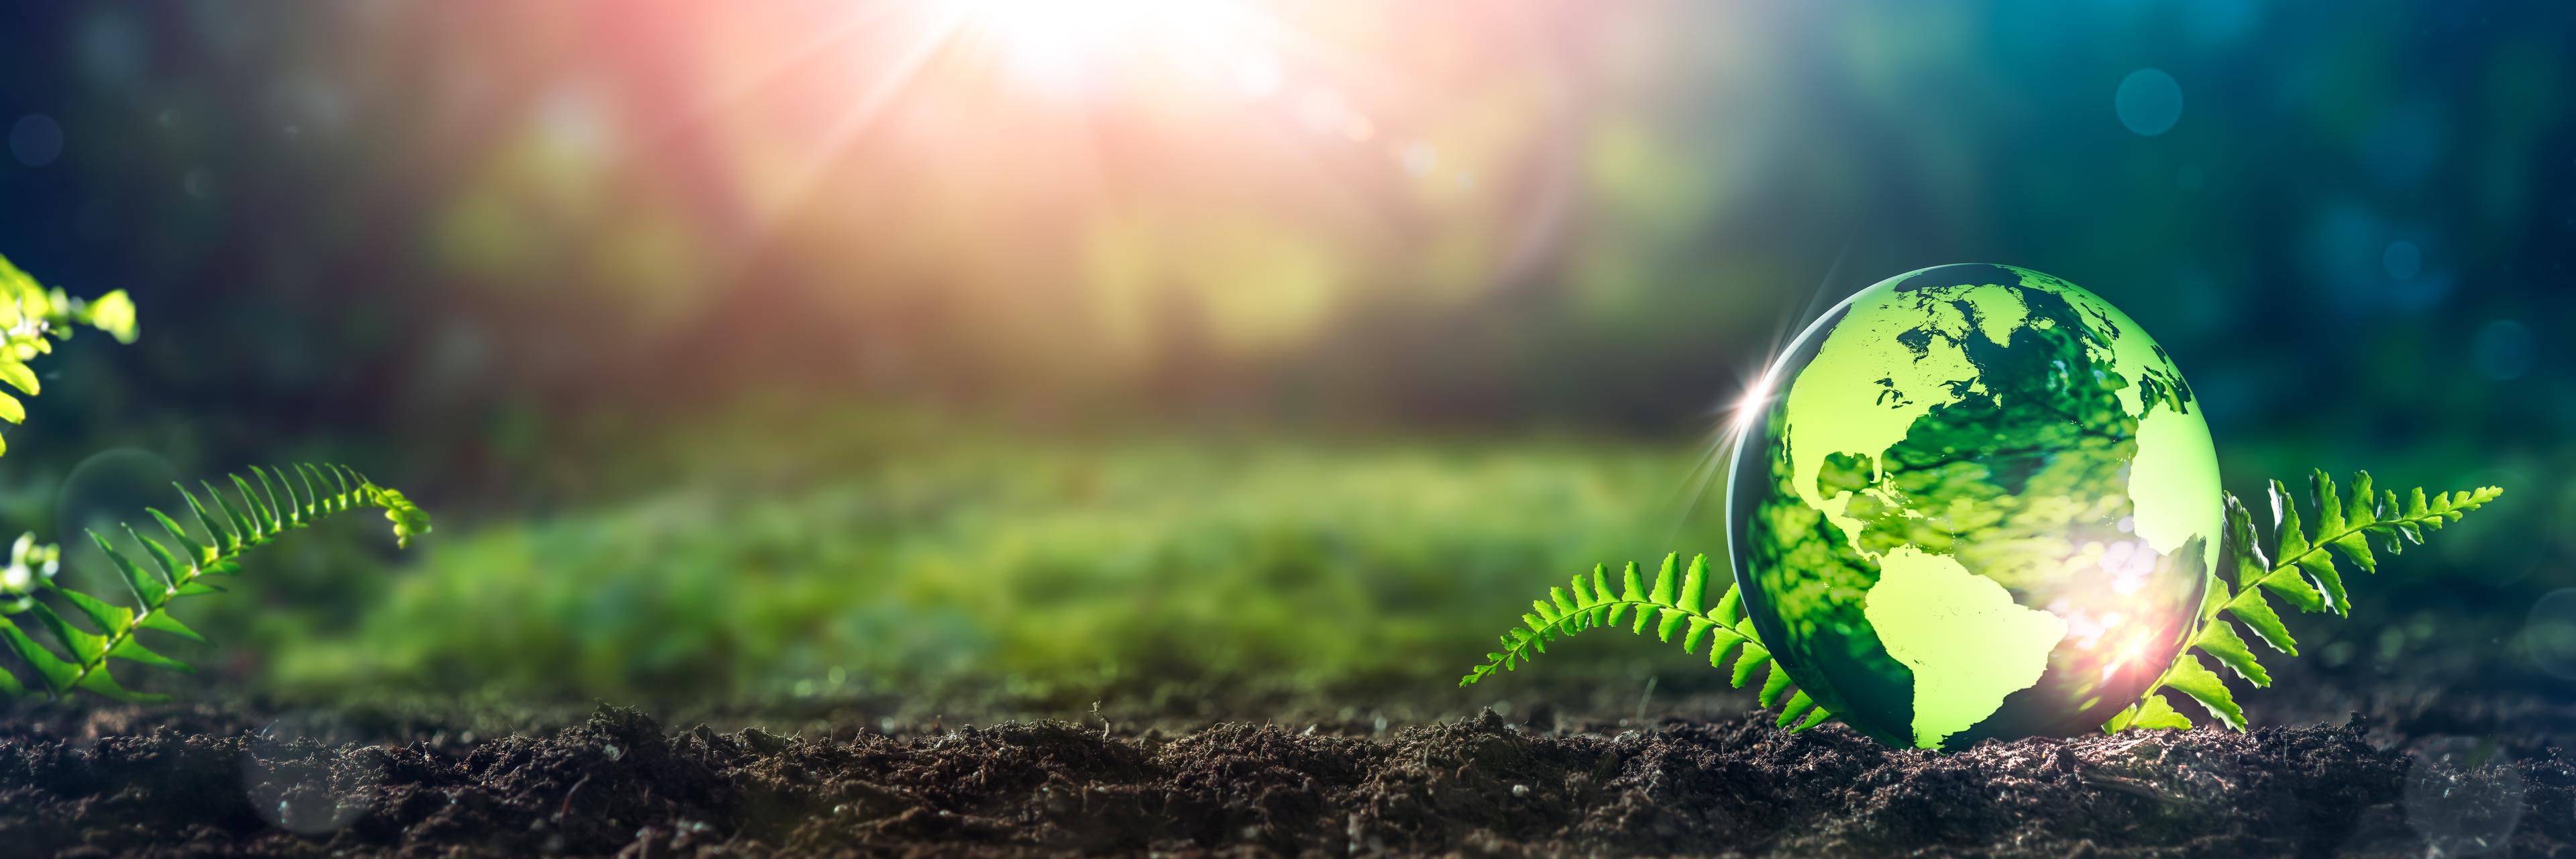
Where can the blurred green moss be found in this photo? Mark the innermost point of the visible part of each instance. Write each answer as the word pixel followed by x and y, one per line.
pixel 1061 571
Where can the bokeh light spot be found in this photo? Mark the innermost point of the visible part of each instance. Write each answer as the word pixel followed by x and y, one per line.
pixel 1418 158
pixel 2345 254
pixel 2550 633
pixel 36 140
pixel 309 772
pixel 2502 350
pixel 2403 259
pixel 2463 795
pixel 106 489
pixel 2148 101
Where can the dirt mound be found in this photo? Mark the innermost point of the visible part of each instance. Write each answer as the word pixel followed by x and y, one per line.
pixel 212 783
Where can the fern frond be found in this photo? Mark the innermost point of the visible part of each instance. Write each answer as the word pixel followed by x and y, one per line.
pixel 30 314
pixel 1676 604
pixel 2303 569
pixel 155 575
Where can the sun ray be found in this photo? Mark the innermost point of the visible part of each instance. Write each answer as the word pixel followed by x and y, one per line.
pixel 800 55
pixel 898 75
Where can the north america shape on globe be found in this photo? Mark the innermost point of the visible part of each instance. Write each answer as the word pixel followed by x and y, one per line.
pixel 1978 501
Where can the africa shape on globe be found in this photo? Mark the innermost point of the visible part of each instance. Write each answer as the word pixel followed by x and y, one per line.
pixel 1979 502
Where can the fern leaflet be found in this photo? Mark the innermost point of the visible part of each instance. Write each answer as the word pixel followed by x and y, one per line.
pixel 2300 569
pixel 285 499
pixel 1677 602
pixel 32 317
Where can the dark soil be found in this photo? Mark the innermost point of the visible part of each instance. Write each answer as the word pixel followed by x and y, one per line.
pixel 220 782
pixel 2430 738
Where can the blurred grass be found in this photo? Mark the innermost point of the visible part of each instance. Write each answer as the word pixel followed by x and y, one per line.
pixel 946 561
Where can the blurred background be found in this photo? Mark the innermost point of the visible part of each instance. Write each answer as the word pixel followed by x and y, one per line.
pixel 1202 355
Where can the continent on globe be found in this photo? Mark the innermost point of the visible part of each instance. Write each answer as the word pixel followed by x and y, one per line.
pixel 1967 642
pixel 1976 501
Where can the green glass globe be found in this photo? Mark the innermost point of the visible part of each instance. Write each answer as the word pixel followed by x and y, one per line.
pixel 1973 501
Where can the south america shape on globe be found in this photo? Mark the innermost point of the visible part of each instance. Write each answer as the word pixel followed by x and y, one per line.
pixel 1976 501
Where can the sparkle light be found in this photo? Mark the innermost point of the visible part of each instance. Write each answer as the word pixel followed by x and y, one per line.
pixel 1756 396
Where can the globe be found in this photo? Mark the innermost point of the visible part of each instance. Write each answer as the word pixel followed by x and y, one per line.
pixel 1973 501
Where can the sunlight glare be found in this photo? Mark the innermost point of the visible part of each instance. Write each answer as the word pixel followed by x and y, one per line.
pixel 1057 43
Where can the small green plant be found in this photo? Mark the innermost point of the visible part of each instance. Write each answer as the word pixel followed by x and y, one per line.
pixel 32 317
pixel 2300 568
pixel 1671 606
pixel 155 574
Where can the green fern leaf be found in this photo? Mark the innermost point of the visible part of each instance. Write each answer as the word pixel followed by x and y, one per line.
pixel 79 657
pixel 2219 639
pixel 2191 678
pixel 131 649
pixel 1798 703
pixel 1671 619
pixel 263 521
pixel 170 566
pixel 408 519
pixel 99 681
pixel 2251 565
pixel 1677 602
pixel 1772 685
pixel 313 507
pixel 33 316
pixel 242 524
pixel 18 376
pixel 57 674
pixel 100 614
pixel 1699 627
pixel 2301 568
pixel 1753 657
pixel 219 534
pixel 2257 614
pixel 279 511
pixel 1694 584
pixel 1726 644
pixel 2285 521
pixel 2321 489
pixel 148 591
pixel 2154 712
pixel 2295 588
pixel 86 647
